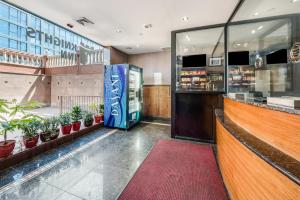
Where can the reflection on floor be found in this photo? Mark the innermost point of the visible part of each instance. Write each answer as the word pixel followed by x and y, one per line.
pixel 99 171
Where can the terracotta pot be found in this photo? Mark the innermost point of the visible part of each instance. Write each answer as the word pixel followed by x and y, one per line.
pixel 54 135
pixel 76 126
pixel 66 130
pixel 88 123
pixel 99 119
pixel 31 142
pixel 7 148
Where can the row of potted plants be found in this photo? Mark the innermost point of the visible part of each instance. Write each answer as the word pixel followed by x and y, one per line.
pixel 14 116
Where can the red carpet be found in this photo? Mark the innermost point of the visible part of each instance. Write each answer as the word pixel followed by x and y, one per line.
pixel 176 171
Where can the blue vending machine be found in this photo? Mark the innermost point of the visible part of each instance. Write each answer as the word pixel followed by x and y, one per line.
pixel 123 95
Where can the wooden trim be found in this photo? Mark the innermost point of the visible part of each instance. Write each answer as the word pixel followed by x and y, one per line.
pixel 246 175
pixel 278 129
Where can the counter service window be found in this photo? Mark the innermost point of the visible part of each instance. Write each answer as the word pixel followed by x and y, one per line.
pixel 200 60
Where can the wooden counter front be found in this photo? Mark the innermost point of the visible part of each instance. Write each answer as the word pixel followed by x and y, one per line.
pixel 246 175
pixel 279 129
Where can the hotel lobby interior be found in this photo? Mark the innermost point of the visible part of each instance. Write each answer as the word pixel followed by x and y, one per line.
pixel 150 100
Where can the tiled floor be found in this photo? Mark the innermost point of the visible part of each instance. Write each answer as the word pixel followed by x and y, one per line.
pixel 98 171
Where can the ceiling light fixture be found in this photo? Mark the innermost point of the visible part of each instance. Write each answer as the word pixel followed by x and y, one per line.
pixel 256 13
pixel 185 18
pixel 147 26
pixel 294 1
pixel 253 31
pixel 187 38
pixel 260 27
pixel 238 44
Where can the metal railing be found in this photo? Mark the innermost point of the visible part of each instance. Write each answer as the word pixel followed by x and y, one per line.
pixel 66 103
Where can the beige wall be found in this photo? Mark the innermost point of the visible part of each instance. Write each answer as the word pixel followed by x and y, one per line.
pixel 25 87
pixel 75 85
pixel 151 63
pixel 117 57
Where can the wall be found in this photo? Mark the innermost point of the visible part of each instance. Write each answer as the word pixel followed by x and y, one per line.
pixel 117 57
pixel 25 87
pixel 76 85
pixel 159 62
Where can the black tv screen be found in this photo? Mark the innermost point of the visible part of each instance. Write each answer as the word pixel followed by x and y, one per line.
pixel 194 61
pixel 238 58
pixel 277 57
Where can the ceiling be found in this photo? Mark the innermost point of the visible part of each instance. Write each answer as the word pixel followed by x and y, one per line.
pixel 130 16
pixel 252 9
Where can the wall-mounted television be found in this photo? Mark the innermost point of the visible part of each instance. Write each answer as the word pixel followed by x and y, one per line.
pixel 194 60
pixel 277 57
pixel 238 58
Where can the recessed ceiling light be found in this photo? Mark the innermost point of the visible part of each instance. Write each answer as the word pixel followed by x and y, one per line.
pixel 185 18
pixel 256 13
pixel 260 27
pixel 147 26
pixel 118 31
pixel 238 44
pixel 294 1
pixel 253 31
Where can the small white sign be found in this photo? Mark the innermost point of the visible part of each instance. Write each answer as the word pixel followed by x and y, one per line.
pixel 157 78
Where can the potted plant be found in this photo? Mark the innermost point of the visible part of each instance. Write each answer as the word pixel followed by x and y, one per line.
pixel 50 130
pixel 76 116
pixel 54 127
pixel 88 119
pixel 9 110
pixel 30 128
pixel 99 110
pixel 65 122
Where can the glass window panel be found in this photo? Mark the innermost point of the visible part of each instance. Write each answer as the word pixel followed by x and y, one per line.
pixel 3 11
pixel 23 19
pixel 3 27
pixel 23 46
pixel 37 49
pixel 13 44
pixel 3 42
pixel 13 15
pixel 22 34
pixel 13 30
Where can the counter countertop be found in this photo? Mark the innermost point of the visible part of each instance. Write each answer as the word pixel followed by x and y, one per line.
pixel 282 162
pixel 265 105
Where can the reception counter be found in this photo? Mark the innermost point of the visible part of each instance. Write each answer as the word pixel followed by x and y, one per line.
pixel 258 150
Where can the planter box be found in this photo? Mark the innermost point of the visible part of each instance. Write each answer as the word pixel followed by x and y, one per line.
pixel 43 147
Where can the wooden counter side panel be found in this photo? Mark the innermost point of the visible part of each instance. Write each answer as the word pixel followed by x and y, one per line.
pixel 247 176
pixel 279 129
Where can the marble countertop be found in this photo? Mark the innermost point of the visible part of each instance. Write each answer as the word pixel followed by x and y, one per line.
pixel 265 105
pixel 279 160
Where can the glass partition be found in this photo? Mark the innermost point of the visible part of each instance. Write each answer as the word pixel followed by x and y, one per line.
pixel 263 53
pixel 200 60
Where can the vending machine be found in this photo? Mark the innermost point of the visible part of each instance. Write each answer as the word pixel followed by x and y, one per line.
pixel 123 95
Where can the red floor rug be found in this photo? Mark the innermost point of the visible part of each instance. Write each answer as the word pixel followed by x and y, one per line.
pixel 176 171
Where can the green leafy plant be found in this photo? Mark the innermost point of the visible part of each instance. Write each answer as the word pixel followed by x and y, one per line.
pixel 30 126
pixel 98 108
pixel 54 124
pixel 88 116
pixel 76 114
pixel 46 126
pixel 13 113
pixel 65 119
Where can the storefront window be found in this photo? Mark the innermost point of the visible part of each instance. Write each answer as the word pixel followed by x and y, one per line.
pixel 200 60
pixel 259 51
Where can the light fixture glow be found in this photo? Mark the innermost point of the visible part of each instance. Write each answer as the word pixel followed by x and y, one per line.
pixel 187 38
pixel 256 13
pixel 253 31
pixel 185 18
pixel 238 44
pixel 294 1
pixel 260 27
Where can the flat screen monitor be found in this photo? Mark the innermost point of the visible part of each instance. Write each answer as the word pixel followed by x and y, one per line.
pixel 194 60
pixel 277 57
pixel 238 58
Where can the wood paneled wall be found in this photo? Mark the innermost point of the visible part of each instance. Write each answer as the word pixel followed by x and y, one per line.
pixel 157 101
pixel 247 176
pixel 278 129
